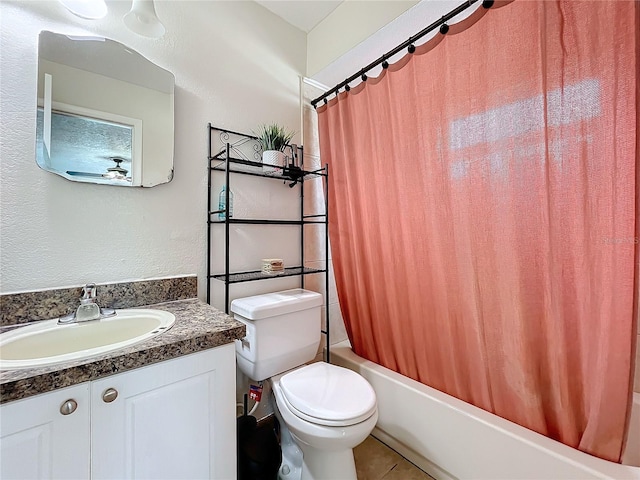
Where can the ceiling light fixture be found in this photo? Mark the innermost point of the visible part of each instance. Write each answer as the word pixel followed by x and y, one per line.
pixel 90 9
pixel 143 20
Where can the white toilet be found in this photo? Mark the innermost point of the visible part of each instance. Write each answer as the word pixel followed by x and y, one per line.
pixel 326 409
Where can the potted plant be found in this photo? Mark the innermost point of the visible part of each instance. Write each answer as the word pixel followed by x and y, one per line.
pixel 273 139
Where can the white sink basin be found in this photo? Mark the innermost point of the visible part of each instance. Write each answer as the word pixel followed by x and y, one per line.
pixel 47 343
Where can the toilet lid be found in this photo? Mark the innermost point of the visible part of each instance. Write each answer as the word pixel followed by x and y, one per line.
pixel 328 394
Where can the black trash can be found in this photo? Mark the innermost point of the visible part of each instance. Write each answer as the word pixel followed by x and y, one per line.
pixel 259 452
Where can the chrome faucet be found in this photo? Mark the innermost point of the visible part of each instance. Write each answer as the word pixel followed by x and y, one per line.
pixel 89 293
pixel 88 309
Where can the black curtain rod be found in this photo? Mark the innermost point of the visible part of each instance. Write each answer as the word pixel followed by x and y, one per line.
pixel 409 44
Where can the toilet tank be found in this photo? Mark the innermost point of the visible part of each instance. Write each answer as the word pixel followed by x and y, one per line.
pixel 283 331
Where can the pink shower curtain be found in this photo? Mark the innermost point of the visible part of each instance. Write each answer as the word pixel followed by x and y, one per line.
pixel 483 215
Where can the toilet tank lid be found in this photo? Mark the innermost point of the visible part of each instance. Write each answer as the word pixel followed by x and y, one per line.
pixel 276 303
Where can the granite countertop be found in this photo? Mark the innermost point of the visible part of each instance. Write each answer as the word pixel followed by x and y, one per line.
pixel 198 326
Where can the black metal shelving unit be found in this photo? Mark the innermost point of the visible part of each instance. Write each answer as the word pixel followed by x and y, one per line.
pixel 239 153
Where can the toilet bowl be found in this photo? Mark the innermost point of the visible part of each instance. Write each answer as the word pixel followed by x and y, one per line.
pixel 328 411
pixel 324 409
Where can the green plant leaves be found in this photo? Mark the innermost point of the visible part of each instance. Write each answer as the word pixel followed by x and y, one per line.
pixel 273 137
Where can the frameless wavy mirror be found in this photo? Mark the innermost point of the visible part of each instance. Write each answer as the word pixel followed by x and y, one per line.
pixel 105 113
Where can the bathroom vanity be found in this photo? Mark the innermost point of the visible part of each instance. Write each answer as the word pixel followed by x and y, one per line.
pixel 163 408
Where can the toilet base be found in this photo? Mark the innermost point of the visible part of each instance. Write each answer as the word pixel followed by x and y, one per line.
pixel 327 465
pixel 291 467
pixel 304 462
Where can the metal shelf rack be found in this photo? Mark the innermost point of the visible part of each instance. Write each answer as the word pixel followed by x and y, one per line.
pixel 239 153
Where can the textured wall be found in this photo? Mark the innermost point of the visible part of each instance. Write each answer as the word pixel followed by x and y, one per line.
pixel 236 65
pixel 353 21
pixel 335 68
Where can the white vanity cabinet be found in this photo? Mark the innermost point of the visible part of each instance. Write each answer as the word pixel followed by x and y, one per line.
pixel 170 420
pixel 46 436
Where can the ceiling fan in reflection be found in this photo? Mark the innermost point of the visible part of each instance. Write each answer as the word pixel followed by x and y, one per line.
pixel 113 173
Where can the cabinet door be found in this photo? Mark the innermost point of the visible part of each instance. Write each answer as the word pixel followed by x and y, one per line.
pixel 46 436
pixel 171 420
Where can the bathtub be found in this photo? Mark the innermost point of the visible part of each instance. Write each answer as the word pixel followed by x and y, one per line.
pixel 451 439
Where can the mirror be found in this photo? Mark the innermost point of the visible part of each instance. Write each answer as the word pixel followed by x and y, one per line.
pixel 105 113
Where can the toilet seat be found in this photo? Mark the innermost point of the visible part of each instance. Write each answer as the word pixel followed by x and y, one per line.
pixel 329 395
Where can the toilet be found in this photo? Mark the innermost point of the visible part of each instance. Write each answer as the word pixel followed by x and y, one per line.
pixel 324 409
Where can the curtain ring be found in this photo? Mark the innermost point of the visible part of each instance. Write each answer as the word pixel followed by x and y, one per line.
pixel 411 48
pixel 385 64
pixel 347 87
pixel 444 28
pixel 364 76
pixel 487 4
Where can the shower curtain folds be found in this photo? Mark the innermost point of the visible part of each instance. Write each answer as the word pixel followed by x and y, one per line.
pixel 483 215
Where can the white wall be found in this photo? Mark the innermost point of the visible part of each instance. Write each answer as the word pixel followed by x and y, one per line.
pixel 386 37
pixel 236 65
pixel 352 22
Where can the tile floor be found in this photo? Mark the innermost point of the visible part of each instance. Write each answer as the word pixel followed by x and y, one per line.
pixel 376 461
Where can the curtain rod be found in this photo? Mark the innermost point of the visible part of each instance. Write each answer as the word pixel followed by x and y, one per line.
pixel 409 44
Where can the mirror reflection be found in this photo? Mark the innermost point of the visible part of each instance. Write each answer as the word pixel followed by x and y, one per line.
pixel 105 113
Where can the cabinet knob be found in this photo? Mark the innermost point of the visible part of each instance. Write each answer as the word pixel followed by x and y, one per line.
pixel 68 407
pixel 109 395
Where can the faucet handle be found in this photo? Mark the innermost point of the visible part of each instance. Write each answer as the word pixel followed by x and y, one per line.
pixel 88 293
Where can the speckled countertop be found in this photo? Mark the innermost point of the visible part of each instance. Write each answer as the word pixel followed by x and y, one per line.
pixel 198 326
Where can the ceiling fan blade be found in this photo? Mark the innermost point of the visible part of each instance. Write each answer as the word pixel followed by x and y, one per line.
pixel 84 174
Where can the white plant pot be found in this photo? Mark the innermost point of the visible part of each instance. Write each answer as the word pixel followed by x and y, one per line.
pixel 270 158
